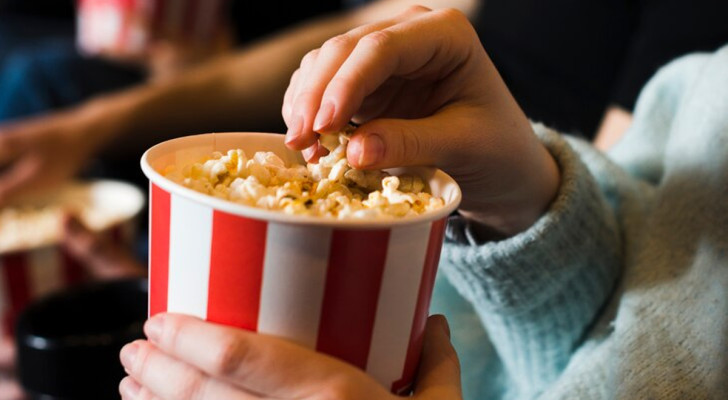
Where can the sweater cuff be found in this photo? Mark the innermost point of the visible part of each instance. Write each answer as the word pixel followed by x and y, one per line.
pixel 522 272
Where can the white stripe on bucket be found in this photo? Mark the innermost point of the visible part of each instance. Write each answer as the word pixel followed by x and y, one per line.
pixel 45 272
pixel 294 277
pixel 190 238
pixel 397 302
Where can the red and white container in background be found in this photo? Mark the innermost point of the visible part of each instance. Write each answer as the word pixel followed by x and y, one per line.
pixel 358 290
pixel 32 268
pixel 128 27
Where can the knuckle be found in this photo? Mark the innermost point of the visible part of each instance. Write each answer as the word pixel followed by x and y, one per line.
pixel 231 354
pixel 402 144
pixel 453 15
pixel 304 97
pixel 410 145
pixel 294 77
pixel 338 43
pixel 417 9
pixel 145 394
pixel 310 57
pixel 192 388
pixel 171 328
pixel 140 367
pixel 377 40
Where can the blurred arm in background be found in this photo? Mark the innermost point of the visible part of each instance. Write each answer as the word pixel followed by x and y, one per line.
pixel 663 31
pixel 240 91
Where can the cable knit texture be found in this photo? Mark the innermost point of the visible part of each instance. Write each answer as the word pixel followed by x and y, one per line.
pixel 620 291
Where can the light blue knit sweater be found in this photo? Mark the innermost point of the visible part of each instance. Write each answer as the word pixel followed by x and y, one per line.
pixel 620 291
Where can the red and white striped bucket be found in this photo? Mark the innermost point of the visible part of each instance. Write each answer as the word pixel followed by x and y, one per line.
pixel 129 26
pixel 27 274
pixel 356 290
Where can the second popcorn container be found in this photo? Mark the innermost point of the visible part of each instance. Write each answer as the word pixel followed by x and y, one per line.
pixel 357 289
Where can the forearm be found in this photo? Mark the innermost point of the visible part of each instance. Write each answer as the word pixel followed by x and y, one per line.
pixel 243 91
pixel 544 287
pixel 615 123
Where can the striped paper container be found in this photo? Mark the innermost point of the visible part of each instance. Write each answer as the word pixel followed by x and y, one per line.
pixel 30 273
pixel 356 290
pixel 129 26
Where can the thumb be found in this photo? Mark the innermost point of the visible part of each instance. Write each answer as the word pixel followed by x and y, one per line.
pixel 439 373
pixel 387 143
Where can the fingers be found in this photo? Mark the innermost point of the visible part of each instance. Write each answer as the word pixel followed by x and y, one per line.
pixel 387 143
pixel 132 390
pixel 259 364
pixel 314 152
pixel 303 110
pixel 7 354
pixel 421 47
pixel 10 389
pixel 155 375
pixel 439 373
pixel 102 256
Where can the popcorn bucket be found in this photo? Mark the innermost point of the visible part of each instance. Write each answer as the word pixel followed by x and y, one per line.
pixel 358 290
pixel 32 264
pixel 129 26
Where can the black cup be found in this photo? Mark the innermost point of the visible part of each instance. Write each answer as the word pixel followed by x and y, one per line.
pixel 69 342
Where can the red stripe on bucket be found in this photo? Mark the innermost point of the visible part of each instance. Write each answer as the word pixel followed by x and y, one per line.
pixel 73 271
pixel 158 17
pixel 158 250
pixel 15 268
pixel 427 284
pixel 353 280
pixel 191 19
pixel 236 270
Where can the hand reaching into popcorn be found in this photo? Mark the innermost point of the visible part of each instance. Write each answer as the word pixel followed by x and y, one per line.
pixel 427 94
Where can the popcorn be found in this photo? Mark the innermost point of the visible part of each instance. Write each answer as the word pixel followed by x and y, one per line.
pixel 331 188
pixel 38 222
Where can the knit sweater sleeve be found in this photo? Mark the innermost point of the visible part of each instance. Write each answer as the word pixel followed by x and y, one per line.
pixel 537 293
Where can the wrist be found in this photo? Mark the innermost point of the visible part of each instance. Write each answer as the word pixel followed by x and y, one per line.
pixel 521 208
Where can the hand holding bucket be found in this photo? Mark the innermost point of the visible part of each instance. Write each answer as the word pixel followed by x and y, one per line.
pixel 358 290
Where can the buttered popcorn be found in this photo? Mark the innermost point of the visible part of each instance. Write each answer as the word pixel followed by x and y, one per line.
pixel 331 188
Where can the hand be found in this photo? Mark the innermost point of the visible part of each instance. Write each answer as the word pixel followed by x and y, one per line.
pixel 427 94
pixel 101 256
pixel 189 359
pixel 41 153
pixel 9 386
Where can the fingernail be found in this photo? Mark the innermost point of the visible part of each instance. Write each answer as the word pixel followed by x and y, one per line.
pixel 129 388
pixel 128 354
pixel 294 131
pixel 324 117
pixel 309 152
pixel 153 328
pixel 371 151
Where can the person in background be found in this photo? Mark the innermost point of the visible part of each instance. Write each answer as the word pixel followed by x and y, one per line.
pixel 596 276
pixel 42 69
